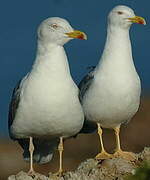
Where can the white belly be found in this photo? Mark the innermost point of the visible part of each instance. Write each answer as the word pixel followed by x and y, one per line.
pixel 48 111
pixel 111 104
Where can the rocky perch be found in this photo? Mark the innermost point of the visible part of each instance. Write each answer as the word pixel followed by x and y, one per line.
pixel 91 169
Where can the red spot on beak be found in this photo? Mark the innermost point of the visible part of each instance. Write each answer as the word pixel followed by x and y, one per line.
pixel 81 36
pixel 141 22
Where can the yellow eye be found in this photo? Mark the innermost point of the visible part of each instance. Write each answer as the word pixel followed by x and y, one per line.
pixel 120 12
pixel 55 26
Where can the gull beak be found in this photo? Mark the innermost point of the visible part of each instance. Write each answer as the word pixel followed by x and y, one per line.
pixel 77 35
pixel 138 20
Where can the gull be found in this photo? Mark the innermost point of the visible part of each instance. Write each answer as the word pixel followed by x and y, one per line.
pixel 110 94
pixel 45 108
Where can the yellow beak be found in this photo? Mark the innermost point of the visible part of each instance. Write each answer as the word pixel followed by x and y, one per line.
pixel 137 19
pixel 77 35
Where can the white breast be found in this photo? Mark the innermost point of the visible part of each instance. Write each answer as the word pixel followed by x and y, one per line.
pixel 112 102
pixel 114 94
pixel 49 104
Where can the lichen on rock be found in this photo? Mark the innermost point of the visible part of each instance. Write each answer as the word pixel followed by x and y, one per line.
pixel 91 169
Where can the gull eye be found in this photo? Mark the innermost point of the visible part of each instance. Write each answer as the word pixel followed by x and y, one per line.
pixel 119 12
pixel 55 26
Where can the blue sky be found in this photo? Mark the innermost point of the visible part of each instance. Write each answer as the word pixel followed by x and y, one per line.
pixel 20 19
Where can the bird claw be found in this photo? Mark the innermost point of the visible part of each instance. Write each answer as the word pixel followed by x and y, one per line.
pixel 31 173
pixel 57 175
pixel 126 155
pixel 103 155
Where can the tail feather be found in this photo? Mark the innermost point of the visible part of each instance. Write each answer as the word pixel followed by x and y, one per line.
pixel 88 127
pixel 43 149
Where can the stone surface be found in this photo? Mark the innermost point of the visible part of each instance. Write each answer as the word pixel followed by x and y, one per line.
pixel 91 169
pixel 24 176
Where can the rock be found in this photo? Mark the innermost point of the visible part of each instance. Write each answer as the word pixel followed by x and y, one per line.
pixel 109 169
pixel 24 176
pixel 91 169
pixel 145 154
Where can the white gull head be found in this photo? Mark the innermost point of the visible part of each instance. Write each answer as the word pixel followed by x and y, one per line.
pixel 123 16
pixel 58 31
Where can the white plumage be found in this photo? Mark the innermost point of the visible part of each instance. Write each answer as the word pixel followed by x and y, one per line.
pixel 45 105
pixel 113 90
pixel 114 94
pixel 49 104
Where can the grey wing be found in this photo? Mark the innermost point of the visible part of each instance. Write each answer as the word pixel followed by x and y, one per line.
pixel 85 84
pixel 43 149
pixel 88 126
pixel 14 104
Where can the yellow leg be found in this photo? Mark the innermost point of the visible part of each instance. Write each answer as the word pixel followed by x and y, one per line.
pixel 60 149
pixel 118 152
pixel 117 133
pixel 31 150
pixel 103 154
